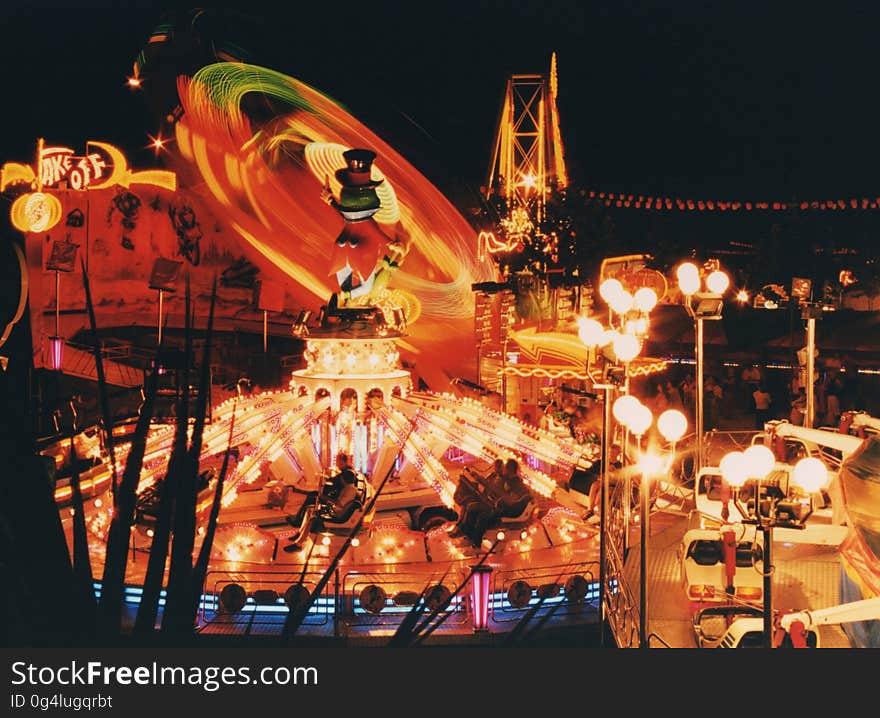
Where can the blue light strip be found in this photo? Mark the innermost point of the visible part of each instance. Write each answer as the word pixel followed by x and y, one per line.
pixel 499 599
pixel 455 605
pixel 325 605
pixel 133 595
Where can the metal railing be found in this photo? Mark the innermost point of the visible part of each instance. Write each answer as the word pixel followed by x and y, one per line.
pixel 382 599
pixel 269 595
pixel 561 590
pixel 259 601
pixel 621 605
pixel 621 602
pixel 81 362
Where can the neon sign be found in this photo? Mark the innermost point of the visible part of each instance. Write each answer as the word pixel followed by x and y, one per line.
pixel 58 164
pixel 35 212
pixel 38 212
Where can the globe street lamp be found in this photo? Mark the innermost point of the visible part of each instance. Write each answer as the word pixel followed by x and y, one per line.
pixel 771 506
pixel 621 343
pixel 623 348
pixel 636 417
pixel 592 334
pixel 671 424
pixel 701 305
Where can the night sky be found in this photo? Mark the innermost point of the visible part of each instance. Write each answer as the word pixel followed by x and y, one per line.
pixel 705 100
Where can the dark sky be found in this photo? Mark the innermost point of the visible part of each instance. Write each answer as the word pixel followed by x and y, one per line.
pixel 717 100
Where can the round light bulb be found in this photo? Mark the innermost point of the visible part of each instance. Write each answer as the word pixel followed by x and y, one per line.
pixel 651 465
pixel 623 408
pixel 759 460
pixel 810 474
pixel 688 278
pixel 590 332
pixel 622 302
pixel 610 288
pixel 718 282
pixel 645 299
pixel 641 420
pixel 626 347
pixel 672 424
pixel 733 468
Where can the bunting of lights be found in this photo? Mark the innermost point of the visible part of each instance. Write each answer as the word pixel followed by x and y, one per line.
pixel 481 444
pixel 678 204
pixel 279 434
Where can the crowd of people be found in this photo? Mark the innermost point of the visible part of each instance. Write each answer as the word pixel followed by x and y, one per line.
pixel 749 396
pixel 734 398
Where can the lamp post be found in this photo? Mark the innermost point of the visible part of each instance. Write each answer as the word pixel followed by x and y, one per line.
pixel 638 418
pixel 592 334
pixel 811 312
pixel 61 259
pixel 628 319
pixel 766 512
pixel 621 343
pixel 700 306
pixel 163 277
pixel 672 425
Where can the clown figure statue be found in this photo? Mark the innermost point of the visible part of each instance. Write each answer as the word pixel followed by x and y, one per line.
pixel 363 255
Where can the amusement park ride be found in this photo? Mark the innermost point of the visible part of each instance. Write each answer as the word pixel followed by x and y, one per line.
pixel 408 448
pixel 723 556
pixel 409 282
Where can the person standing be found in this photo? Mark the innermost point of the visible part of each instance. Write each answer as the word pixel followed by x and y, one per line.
pixel 673 396
pixel 798 407
pixel 832 403
pixel 713 395
pixel 762 401
pixel 751 380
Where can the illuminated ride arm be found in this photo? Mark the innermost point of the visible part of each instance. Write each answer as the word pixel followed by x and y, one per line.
pixel 864 610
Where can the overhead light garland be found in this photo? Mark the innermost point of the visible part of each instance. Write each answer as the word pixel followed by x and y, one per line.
pixel 678 204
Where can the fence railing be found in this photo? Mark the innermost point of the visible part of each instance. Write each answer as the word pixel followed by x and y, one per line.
pixel 560 590
pixel 260 600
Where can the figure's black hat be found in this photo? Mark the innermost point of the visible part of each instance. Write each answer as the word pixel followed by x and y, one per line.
pixel 357 174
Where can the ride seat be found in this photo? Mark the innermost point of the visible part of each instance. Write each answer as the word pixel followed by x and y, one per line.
pixel 705 552
pixel 345 517
pixel 346 521
pixel 523 517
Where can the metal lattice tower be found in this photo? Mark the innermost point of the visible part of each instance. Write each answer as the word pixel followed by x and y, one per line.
pixel 528 160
